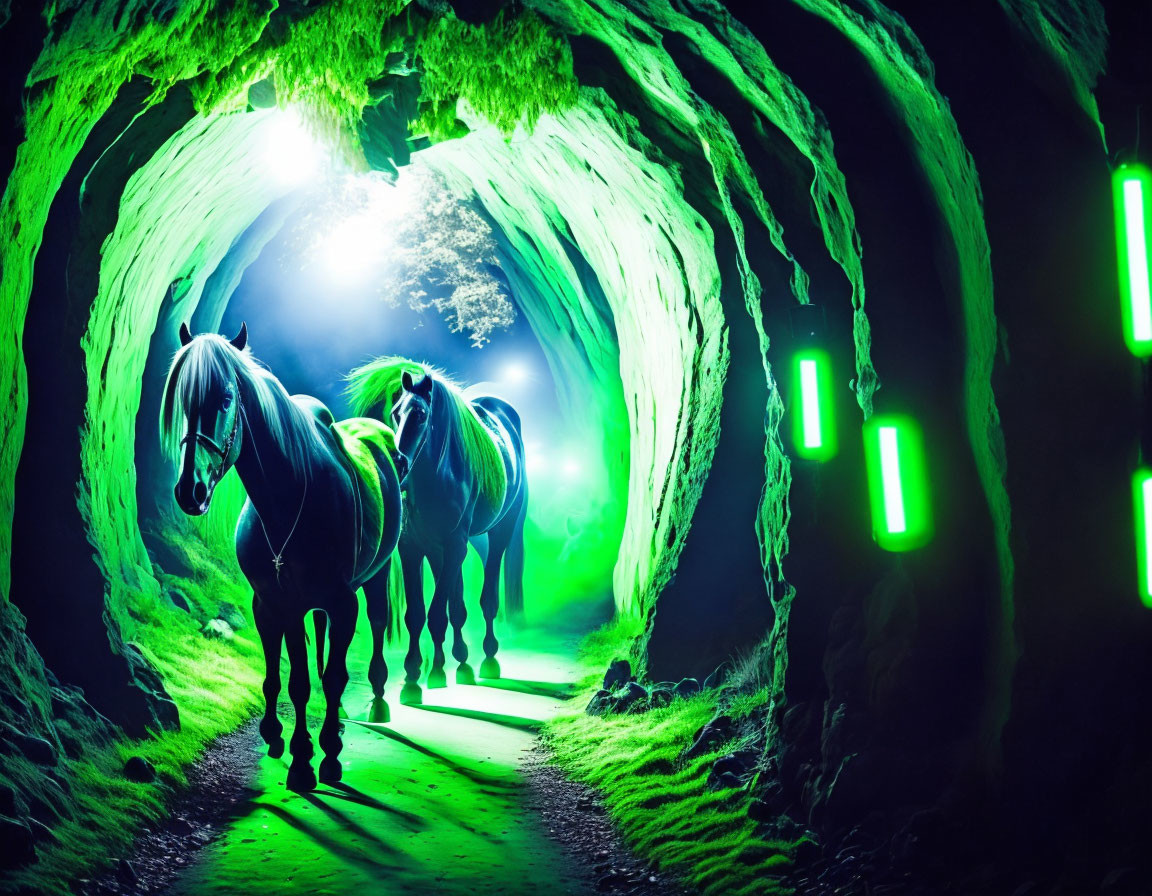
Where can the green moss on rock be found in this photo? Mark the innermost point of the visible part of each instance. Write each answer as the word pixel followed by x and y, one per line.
pixel 661 799
pixel 510 71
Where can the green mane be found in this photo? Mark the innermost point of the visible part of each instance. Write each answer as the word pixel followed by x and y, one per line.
pixel 376 386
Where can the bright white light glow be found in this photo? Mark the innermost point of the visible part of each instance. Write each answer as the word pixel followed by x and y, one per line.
pixel 572 467
pixel 811 401
pixel 1137 260
pixel 356 236
pixel 292 156
pixel 890 473
pixel 351 249
pixel 515 372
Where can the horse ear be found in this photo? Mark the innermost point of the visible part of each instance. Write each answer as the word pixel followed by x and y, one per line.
pixel 241 339
pixel 185 334
pixel 423 386
pixel 406 381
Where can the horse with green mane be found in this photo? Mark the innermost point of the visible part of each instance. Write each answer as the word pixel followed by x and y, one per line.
pixel 322 519
pixel 462 466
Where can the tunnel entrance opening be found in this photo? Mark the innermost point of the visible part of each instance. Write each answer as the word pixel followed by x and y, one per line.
pixel 338 273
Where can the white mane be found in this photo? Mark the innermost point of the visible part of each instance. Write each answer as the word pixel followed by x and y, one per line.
pixel 206 365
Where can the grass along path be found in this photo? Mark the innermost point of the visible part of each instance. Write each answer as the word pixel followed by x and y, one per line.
pixel 431 802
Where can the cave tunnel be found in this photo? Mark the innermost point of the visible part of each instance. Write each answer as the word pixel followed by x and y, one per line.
pixel 791 355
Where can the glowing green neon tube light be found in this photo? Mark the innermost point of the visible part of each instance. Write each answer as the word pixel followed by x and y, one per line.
pixel 814 429
pixel 811 417
pixel 1132 194
pixel 1142 500
pixel 897 483
pixel 894 517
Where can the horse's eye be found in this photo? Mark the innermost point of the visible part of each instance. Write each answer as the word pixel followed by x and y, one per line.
pixel 227 403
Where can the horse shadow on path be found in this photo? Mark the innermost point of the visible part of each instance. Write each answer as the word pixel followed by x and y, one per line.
pixel 346 792
pixel 556 690
pixel 388 857
pixel 521 723
pixel 475 776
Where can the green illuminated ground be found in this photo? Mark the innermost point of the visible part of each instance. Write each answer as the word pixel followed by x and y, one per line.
pixel 434 801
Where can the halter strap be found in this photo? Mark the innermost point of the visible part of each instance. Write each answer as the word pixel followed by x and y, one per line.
pixel 207 441
pixel 424 444
pixel 440 430
pixel 221 451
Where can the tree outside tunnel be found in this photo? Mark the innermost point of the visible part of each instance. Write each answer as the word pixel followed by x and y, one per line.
pixel 663 191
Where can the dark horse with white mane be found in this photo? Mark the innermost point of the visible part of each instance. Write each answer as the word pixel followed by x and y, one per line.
pixel 464 478
pixel 322 519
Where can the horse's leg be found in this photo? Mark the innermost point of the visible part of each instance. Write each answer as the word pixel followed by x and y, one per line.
pixel 438 619
pixel 320 624
pixel 452 572
pixel 300 775
pixel 445 573
pixel 271 637
pixel 498 540
pixel 342 619
pixel 376 600
pixel 412 565
pixel 514 562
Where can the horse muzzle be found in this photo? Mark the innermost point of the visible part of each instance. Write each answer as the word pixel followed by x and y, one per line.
pixel 193 498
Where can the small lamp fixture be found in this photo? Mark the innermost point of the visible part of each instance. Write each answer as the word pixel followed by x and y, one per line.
pixel 813 421
pixel 1132 196
pixel 813 426
pixel 897 483
pixel 1142 505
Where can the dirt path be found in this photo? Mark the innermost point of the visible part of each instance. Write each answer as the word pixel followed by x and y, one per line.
pixel 434 801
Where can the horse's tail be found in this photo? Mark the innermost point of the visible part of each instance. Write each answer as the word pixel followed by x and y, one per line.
pixel 514 561
pixel 392 625
pixel 320 622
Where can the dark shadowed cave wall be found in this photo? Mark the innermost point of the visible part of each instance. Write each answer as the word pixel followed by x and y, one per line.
pixel 933 176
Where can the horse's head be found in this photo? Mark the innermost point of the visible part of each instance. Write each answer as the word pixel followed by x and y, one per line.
pixel 212 441
pixel 410 418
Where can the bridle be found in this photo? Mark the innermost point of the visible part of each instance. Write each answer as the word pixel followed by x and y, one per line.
pixel 224 451
pixel 424 440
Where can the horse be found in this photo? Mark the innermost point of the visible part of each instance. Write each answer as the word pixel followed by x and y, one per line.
pixel 462 469
pixel 322 518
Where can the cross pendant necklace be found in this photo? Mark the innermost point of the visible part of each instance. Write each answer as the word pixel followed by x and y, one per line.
pixel 278 557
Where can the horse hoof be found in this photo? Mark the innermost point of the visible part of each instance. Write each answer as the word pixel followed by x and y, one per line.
pixel 378 711
pixel 437 679
pixel 465 675
pixel 490 668
pixel 301 779
pixel 330 771
pixel 276 748
pixel 411 695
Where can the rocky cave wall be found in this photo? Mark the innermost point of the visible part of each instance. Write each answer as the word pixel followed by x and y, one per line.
pixel 659 226
pixel 652 257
